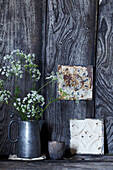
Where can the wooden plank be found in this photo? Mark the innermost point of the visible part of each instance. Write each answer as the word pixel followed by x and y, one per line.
pixel 20 28
pixel 104 70
pixel 59 164
pixel 70 41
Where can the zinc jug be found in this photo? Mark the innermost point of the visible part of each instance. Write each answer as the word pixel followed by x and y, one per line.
pixel 28 139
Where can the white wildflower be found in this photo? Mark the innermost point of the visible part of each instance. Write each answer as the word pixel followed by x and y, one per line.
pixel 18 99
pixel 18 108
pixel 30 101
pixel 28 116
pixel 21 75
pixel 33 76
pixel 2 73
pixel 25 98
pixel 23 110
pixel 15 104
pixel 28 95
pixel 53 76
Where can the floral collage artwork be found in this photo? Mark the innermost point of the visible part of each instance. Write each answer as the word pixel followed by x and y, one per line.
pixel 77 82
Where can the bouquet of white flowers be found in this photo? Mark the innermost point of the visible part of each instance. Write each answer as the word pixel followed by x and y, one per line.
pixel 30 107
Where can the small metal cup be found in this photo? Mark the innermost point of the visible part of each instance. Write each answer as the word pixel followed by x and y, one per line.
pixel 56 149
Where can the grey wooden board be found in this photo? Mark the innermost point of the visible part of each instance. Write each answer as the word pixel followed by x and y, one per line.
pixel 103 163
pixel 20 28
pixel 104 70
pixel 70 40
pixel 71 29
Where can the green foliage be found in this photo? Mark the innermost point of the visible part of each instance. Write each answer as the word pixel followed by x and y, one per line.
pixel 31 106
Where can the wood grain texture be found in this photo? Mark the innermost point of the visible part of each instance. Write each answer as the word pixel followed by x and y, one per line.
pixel 77 162
pixel 20 28
pixel 70 41
pixel 104 70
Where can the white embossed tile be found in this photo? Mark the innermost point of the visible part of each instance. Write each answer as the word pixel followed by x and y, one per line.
pixel 87 136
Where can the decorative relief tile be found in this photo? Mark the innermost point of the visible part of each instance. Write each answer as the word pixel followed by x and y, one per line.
pixel 77 82
pixel 87 136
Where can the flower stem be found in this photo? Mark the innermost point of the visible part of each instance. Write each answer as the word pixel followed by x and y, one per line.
pixel 45 85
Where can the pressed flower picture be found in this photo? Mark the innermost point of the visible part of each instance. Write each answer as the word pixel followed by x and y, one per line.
pixel 77 82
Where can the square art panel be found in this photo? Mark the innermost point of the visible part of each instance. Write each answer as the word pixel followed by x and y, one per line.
pixel 87 136
pixel 76 81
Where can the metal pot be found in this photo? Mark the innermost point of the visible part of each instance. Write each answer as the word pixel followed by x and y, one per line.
pixel 29 145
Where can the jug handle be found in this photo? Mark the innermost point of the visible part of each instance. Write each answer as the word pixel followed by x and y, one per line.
pixel 9 131
pixel 40 123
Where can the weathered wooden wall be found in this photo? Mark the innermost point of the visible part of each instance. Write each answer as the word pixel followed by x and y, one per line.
pixel 61 32
pixel 20 28
pixel 71 37
pixel 104 70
